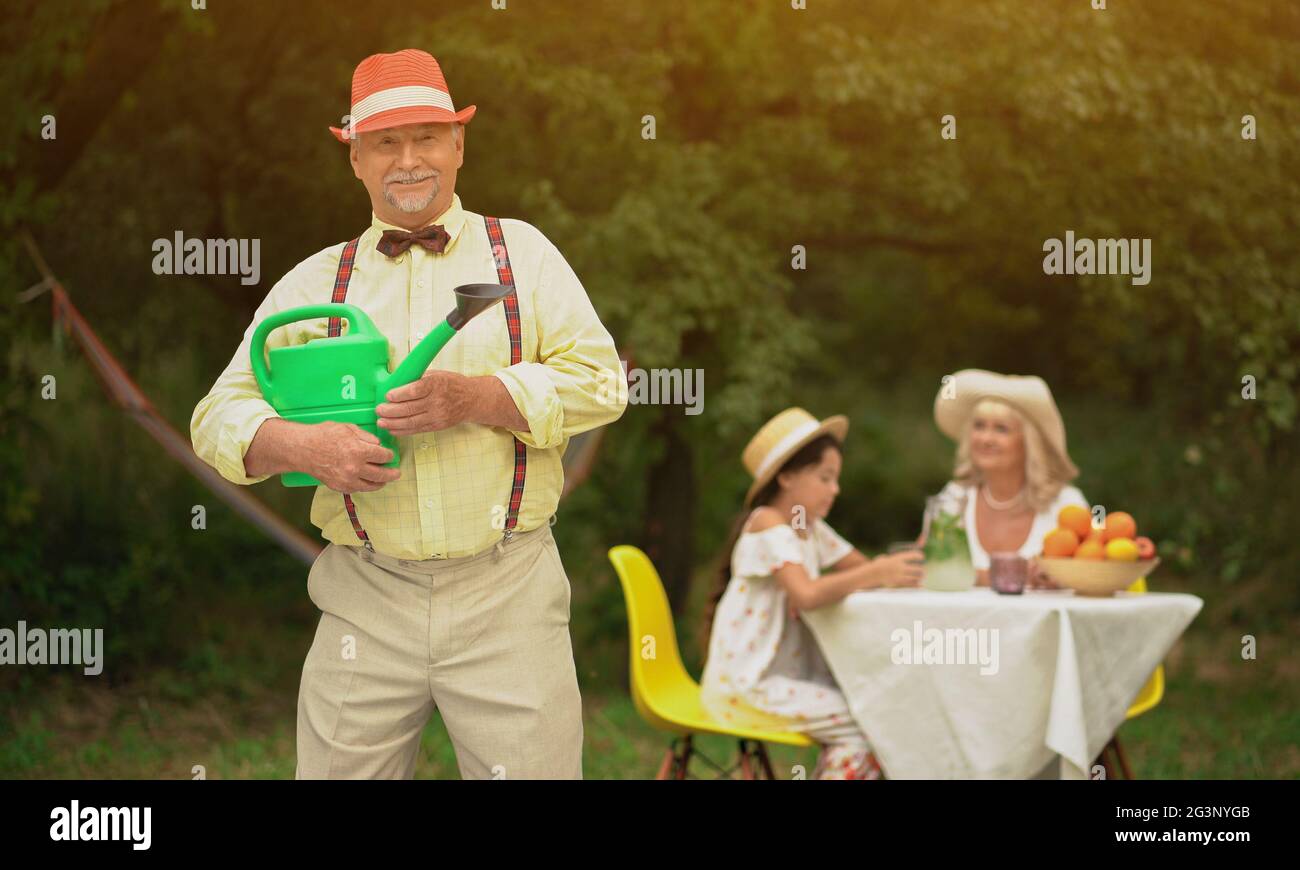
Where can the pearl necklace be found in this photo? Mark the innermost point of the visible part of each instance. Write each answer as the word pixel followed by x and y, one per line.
pixel 1002 505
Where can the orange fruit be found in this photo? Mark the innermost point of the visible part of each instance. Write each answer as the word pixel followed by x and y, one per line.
pixel 1060 543
pixel 1091 549
pixel 1076 519
pixel 1120 525
pixel 1121 550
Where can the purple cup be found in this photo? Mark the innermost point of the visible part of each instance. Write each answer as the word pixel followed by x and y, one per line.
pixel 1008 573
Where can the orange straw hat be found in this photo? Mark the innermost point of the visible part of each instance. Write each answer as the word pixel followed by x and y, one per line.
pixel 405 87
pixel 780 438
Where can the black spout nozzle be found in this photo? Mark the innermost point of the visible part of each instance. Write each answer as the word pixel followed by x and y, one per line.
pixel 474 299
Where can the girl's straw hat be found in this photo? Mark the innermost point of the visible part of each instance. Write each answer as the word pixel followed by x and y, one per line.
pixel 780 438
pixel 1028 394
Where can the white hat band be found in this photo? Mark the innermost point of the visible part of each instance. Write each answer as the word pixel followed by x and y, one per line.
pixel 794 437
pixel 399 98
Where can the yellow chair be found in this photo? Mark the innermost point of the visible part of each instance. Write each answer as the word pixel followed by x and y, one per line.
pixel 662 690
pixel 1147 698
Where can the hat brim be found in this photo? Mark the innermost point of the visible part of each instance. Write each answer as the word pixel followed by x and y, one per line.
pixel 406 115
pixel 836 425
pixel 1029 395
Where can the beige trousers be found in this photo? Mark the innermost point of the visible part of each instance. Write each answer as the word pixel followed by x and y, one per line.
pixel 484 639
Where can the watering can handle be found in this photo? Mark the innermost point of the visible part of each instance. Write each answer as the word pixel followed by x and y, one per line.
pixel 357 319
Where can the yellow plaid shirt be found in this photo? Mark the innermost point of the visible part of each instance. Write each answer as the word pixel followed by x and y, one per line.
pixel 453 494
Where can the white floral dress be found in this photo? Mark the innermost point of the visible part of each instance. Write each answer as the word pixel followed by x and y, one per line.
pixel 764 669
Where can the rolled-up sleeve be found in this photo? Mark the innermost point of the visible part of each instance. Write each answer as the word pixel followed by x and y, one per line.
pixel 226 419
pixel 577 382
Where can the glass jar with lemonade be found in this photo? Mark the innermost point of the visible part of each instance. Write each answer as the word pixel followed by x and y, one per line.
pixel 948 566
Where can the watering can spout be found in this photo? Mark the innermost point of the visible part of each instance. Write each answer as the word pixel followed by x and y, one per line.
pixel 471 300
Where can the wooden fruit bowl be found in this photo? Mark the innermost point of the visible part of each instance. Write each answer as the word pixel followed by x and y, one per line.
pixel 1096 577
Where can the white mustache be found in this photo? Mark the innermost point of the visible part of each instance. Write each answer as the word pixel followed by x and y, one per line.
pixel 408 177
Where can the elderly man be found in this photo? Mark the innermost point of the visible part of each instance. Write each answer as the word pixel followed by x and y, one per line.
pixel 441 586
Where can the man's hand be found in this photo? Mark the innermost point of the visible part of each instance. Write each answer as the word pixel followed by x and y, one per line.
pixel 348 459
pixel 439 400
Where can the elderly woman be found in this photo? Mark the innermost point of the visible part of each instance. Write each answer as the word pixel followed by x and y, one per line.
pixel 1012 472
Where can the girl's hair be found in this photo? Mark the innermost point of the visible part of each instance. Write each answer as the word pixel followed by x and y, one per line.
pixel 1042 481
pixel 809 454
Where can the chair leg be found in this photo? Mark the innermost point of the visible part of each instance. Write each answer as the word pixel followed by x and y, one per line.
pixel 684 760
pixel 753 761
pixel 670 756
pixel 677 759
pixel 746 771
pixel 760 749
pixel 1113 760
pixel 1119 754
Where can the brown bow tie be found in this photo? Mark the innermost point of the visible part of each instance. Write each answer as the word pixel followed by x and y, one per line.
pixel 395 242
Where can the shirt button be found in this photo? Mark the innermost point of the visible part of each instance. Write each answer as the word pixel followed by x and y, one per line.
pixel 428 502
pixel 419 335
pixel 419 283
pixel 424 446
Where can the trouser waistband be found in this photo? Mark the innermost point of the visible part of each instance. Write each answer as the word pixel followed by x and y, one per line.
pixel 532 537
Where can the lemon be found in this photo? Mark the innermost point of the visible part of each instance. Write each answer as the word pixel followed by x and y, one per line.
pixel 1121 550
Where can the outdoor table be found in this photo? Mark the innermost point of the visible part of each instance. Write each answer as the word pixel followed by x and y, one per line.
pixel 1007 683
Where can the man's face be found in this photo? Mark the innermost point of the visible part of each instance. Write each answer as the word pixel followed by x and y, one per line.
pixel 409 171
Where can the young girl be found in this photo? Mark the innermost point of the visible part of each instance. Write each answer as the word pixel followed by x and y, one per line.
pixel 764 669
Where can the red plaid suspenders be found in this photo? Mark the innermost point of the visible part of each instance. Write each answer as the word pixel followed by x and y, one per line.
pixel 341 279
pixel 505 275
pixel 501 257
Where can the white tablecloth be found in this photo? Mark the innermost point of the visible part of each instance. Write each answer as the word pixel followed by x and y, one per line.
pixel 1067 669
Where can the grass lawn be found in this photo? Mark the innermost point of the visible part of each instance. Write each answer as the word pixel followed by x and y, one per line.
pixel 231 709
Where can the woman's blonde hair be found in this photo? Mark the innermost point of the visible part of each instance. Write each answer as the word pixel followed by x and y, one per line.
pixel 1042 484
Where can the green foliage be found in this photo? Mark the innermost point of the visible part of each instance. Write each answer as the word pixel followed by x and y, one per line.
pixel 774 128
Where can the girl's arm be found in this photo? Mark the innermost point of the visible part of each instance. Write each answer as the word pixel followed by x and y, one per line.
pixel 804 593
pixel 852 560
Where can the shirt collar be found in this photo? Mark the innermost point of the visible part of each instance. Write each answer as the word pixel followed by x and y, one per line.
pixel 452 220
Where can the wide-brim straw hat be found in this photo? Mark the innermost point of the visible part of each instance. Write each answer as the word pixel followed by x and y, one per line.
pixel 780 438
pixel 1028 394
pixel 405 87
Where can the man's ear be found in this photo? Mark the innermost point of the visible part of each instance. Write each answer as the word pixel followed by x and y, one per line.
pixel 354 157
pixel 460 147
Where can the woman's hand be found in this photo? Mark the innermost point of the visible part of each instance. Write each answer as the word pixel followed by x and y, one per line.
pixel 1038 578
pixel 899 569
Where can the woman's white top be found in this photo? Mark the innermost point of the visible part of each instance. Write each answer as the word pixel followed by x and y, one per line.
pixel 951 497
pixel 764 668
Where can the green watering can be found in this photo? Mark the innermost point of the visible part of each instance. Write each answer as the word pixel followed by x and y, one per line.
pixel 345 377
